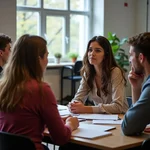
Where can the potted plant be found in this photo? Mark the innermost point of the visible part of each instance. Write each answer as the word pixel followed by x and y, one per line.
pixel 57 57
pixel 73 56
pixel 119 53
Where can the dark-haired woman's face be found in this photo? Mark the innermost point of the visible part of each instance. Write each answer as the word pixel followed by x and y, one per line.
pixel 95 54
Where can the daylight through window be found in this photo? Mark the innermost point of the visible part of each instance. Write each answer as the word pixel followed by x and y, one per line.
pixel 63 23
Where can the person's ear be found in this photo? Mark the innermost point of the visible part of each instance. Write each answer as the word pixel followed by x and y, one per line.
pixel 141 58
pixel 1 52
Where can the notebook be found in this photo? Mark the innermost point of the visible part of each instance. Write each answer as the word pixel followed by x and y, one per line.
pixel 89 134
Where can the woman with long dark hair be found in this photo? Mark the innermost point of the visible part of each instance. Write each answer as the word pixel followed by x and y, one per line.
pixel 103 81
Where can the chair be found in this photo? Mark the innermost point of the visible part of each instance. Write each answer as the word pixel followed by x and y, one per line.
pixel 74 76
pixel 129 100
pixel 146 144
pixel 9 141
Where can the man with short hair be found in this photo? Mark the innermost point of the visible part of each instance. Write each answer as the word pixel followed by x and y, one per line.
pixel 138 116
pixel 5 48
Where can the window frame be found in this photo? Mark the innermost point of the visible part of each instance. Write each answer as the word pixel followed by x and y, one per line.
pixel 44 12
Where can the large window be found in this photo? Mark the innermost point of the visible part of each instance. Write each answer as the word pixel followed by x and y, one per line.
pixel 63 23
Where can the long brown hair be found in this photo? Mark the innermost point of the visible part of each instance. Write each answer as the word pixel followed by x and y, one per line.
pixel 88 71
pixel 23 65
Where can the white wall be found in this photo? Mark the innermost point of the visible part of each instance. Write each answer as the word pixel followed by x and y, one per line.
pixel 120 19
pixel 8 18
pixel 142 16
pixel 53 78
pixel 125 21
pixel 98 18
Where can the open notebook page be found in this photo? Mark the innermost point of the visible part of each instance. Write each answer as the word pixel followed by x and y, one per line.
pixel 89 134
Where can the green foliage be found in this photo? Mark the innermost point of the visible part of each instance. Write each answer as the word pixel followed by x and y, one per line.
pixel 119 53
pixel 73 55
pixel 58 55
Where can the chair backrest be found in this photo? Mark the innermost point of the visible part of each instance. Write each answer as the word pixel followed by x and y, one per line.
pixel 77 67
pixel 146 144
pixel 129 100
pixel 9 141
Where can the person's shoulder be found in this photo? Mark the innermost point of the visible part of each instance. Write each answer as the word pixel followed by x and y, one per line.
pixel 115 70
pixel 33 84
pixel 116 74
pixel 46 86
pixel 147 83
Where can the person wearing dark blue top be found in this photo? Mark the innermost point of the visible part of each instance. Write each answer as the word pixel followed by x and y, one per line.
pixel 5 48
pixel 138 116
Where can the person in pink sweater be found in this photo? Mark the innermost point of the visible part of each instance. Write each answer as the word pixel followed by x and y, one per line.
pixel 27 104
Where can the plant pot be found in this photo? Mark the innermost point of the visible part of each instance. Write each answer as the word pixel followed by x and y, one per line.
pixel 74 60
pixel 57 60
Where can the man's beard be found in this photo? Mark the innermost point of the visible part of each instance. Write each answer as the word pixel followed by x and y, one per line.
pixel 139 70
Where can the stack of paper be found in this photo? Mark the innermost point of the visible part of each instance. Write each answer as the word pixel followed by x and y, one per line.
pixel 62 107
pixel 64 112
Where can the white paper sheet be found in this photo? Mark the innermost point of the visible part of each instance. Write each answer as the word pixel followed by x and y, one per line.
pixel 96 127
pixel 107 121
pixel 89 134
pixel 62 107
pixel 64 112
pixel 98 116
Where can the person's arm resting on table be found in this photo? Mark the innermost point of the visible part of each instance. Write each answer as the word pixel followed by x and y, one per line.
pixel 137 117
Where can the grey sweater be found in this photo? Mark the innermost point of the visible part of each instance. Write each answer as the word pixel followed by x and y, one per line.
pixel 138 116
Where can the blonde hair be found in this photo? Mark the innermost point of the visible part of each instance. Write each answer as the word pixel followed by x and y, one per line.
pixel 23 65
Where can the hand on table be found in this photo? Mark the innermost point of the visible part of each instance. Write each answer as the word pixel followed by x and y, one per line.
pixel 76 107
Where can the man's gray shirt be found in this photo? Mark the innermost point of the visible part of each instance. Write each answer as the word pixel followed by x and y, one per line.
pixel 138 116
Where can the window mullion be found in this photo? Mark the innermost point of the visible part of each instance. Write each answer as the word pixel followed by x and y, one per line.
pixel 67 41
